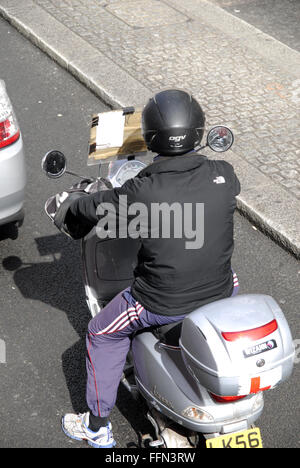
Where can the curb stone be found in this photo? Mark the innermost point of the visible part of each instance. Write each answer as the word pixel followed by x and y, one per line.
pixel 265 203
pixel 71 52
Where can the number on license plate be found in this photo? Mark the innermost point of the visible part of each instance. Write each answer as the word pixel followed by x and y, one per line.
pixel 245 439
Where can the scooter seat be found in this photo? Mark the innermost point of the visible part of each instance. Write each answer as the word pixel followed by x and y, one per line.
pixel 169 334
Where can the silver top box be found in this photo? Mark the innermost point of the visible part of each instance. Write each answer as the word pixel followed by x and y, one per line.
pixel 238 346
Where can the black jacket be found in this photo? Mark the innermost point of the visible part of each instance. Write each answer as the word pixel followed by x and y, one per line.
pixel 170 278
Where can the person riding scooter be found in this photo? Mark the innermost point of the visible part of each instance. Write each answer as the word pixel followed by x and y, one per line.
pixel 174 276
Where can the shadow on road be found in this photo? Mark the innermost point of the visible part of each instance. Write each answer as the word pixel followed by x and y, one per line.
pixel 9 231
pixel 58 283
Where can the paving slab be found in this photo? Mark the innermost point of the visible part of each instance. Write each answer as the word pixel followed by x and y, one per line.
pixel 126 50
pixel 278 18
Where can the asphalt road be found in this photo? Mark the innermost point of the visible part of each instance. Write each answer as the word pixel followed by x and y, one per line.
pixel 43 316
pixel 278 18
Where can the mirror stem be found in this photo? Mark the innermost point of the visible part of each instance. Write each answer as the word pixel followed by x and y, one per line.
pixel 77 175
pixel 199 148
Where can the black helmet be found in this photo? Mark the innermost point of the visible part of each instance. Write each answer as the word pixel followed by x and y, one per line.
pixel 172 123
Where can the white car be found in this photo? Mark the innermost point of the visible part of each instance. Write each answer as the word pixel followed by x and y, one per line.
pixel 12 163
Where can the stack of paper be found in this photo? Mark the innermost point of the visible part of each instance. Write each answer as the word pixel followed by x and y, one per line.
pixel 110 130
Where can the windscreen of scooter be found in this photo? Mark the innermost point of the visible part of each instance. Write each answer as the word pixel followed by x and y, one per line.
pixel 122 170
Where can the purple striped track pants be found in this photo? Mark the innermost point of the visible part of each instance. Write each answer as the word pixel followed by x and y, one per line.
pixel 108 342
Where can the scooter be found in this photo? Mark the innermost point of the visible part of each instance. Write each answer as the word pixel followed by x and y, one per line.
pixel 206 375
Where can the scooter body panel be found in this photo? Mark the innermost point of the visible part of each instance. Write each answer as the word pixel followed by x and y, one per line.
pixel 163 380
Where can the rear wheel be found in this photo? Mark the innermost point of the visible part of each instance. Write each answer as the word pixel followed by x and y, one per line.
pixel 9 231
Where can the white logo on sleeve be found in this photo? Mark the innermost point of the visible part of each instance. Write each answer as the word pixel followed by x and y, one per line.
pixel 220 180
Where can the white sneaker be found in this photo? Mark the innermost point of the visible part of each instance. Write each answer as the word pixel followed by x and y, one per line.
pixel 76 426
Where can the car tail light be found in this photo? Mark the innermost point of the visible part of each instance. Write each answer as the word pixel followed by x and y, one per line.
pixel 9 129
pixel 254 334
pixel 227 399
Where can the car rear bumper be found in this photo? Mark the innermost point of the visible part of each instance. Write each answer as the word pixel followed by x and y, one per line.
pixel 16 217
pixel 12 182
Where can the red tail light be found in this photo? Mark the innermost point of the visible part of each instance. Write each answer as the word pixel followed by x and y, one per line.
pixel 7 134
pixel 9 129
pixel 254 334
pixel 227 399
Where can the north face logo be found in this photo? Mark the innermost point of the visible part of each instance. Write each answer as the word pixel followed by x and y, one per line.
pixel 219 180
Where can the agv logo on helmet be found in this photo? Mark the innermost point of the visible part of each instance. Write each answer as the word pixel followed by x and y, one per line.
pixel 177 141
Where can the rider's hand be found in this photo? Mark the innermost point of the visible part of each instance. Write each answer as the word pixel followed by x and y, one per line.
pixel 54 203
pixel 60 198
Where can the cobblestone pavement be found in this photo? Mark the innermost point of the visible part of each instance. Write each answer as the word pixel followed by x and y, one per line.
pixel 162 44
pixel 279 18
pixel 125 50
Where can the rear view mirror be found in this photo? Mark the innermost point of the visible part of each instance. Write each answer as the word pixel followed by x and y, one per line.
pixel 54 164
pixel 220 139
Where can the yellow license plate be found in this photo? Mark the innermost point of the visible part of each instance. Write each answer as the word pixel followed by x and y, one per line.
pixel 245 439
